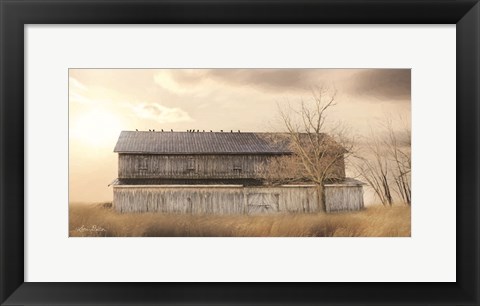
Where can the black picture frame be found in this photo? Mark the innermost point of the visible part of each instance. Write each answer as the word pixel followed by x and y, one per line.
pixel 15 14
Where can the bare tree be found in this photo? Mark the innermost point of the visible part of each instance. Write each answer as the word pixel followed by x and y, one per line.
pixel 398 144
pixel 282 170
pixel 318 146
pixel 386 163
pixel 374 167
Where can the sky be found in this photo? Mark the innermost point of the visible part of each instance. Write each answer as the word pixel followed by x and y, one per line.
pixel 103 102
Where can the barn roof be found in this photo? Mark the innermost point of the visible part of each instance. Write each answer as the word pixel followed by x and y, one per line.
pixel 199 143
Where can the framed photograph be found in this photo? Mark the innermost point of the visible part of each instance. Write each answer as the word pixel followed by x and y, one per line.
pixel 239 152
pixel 288 162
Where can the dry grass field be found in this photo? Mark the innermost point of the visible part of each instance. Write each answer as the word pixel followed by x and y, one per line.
pixel 100 220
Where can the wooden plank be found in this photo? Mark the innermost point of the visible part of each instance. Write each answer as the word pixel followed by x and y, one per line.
pixel 223 199
pixel 204 166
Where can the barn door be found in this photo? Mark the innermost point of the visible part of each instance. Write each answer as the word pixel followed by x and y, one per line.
pixel 262 203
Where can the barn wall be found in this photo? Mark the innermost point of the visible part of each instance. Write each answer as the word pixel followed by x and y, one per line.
pixel 190 166
pixel 344 198
pixel 179 200
pixel 338 169
pixel 200 166
pixel 193 199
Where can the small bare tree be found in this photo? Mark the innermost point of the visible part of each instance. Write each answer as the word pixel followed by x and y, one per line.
pixel 374 167
pixel 386 163
pixel 398 144
pixel 318 147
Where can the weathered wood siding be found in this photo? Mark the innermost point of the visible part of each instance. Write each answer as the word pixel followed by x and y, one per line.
pixel 227 199
pixel 338 169
pixel 179 200
pixel 199 166
pixel 190 166
pixel 343 198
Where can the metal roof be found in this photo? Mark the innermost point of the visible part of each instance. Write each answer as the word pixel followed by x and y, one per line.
pixel 200 143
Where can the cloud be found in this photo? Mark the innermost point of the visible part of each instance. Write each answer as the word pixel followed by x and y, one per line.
pixel 160 113
pixel 74 84
pixel 185 81
pixel 164 79
pixel 271 79
pixel 384 84
pixel 393 84
pixel 79 98
pixel 77 91
pixel 264 79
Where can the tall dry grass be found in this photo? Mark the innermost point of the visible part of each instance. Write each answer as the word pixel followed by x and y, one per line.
pixel 100 220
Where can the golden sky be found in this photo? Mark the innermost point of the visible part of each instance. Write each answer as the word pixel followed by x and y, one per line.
pixel 103 102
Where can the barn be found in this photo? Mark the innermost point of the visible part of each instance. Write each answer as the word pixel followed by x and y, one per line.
pixel 216 173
